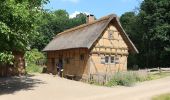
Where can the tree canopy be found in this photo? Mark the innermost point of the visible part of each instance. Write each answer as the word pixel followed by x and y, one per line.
pixel 54 22
pixel 150 31
pixel 24 25
pixel 18 22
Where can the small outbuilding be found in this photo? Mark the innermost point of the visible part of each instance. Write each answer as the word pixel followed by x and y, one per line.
pixel 17 68
pixel 97 47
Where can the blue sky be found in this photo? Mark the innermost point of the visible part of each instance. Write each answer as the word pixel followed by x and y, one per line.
pixel 97 7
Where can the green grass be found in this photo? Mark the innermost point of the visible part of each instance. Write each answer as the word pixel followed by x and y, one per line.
pixel 32 68
pixel 159 75
pixel 162 97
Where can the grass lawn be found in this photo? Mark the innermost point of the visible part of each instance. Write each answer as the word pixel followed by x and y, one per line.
pixel 162 97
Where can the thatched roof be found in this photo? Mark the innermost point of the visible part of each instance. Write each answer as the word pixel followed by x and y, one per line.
pixel 84 36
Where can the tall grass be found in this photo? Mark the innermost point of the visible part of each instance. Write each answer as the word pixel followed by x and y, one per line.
pixel 127 78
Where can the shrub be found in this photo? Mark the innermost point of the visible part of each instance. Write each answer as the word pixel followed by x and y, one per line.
pixel 126 78
pixel 141 76
pixel 6 57
pixel 33 68
pixel 32 57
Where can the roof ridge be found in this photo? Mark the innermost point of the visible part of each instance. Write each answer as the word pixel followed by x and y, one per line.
pixel 77 38
pixel 86 24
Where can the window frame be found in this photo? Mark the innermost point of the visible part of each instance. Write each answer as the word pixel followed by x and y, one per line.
pixel 110 34
pixel 110 59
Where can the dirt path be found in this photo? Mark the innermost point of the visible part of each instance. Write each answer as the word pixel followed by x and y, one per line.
pixel 48 87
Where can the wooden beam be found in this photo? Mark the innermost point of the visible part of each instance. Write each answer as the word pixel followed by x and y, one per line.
pixel 111 47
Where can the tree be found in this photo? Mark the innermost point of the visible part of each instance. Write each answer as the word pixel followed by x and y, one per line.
pixel 150 31
pixel 18 23
pixel 155 16
pixel 54 22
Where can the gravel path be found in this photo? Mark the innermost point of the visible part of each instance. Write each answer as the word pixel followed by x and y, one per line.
pixel 48 87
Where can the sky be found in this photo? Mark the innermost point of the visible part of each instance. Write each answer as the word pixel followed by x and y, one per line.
pixel 98 8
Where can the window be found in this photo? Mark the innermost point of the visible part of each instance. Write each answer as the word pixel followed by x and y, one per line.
pixel 112 59
pixel 106 59
pixel 81 56
pixel 110 34
pixel 109 60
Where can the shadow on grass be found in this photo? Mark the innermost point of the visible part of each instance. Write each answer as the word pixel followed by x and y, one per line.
pixel 10 85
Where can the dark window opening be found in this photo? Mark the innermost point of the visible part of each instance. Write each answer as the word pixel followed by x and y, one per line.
pixel 112 59
pixel 82 57
pixel 110 34
pixel 106 59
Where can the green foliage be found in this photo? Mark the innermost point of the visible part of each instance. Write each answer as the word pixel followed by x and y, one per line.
pixel 126 78
pixel 18 23
pixel 33 68
pixel 162 97
pixel 33 55
pixel 150 31
pixel 54 22
pixel 24 25
pixel 6 58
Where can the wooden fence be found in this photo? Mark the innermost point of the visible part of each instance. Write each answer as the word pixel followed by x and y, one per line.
pixel 157 70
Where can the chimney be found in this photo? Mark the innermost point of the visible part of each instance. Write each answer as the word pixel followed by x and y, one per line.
pixel 90 18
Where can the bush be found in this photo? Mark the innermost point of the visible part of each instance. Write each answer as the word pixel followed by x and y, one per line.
pixel 141 76
pixel 6 57
pixel 33 68
pixel 126 78
pixel 32 57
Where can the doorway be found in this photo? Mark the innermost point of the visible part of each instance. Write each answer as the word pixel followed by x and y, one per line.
pixel 60 67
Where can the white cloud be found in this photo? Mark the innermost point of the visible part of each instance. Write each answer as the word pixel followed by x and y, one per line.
pixel 77 12
pixel 73 1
